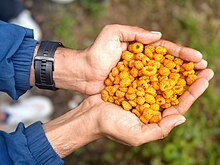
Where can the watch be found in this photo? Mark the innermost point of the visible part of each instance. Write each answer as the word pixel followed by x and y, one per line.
pixel 44 65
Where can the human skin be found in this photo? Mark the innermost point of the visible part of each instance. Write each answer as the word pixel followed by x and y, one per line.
pixel 85 71
pixel 94 119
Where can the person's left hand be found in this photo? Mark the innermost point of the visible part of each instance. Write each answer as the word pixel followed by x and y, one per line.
pixel 94 118
pixel 124 127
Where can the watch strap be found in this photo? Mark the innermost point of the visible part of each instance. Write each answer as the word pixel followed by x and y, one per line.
pixel 44 65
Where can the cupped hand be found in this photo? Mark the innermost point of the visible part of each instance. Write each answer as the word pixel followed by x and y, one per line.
pixel 106 51
pixel 124 127
pixel 94 118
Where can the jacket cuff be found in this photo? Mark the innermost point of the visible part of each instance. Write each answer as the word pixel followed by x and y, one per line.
pixel 40 147
pixel 22 60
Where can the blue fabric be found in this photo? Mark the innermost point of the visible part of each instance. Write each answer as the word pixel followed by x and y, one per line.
pixel 16 53
pixel 25 146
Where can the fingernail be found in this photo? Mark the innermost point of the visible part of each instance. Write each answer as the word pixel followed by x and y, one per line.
pixel 156 32
pixel 180 122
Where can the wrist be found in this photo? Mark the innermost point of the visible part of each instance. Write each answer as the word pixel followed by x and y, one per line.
pixel 32 77
pixel 69 69
pixel 72 130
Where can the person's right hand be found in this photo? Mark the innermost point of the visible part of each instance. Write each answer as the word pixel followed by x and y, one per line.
pixel 106 51
pixel 85 71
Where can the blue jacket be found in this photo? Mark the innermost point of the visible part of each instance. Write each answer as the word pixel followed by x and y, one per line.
pixel 25 146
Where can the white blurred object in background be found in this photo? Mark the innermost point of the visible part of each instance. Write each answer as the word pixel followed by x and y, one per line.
pixel 24 19
pixel 28 111
pixel 75 101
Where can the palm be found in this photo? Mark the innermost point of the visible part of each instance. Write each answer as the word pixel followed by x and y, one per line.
pixel 124 122
pixel 124 127
pixel 106 51
pixel 103 57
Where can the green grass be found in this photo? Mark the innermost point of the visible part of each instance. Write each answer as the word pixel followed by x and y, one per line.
pixel 63 30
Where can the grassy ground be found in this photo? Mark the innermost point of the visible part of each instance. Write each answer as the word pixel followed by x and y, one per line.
pixel 191 23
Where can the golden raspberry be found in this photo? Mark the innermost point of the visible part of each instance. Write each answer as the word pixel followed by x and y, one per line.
pixel 158 57
pixel 149 99
pixel 128 56
pixel 137 47
pixel 164 71
pixel 125 82
pixel 154 119
pixel 188 66
pixel 124 74
pixel 155 107
pixel 136 112
pixel 149 70
pixel 115 71
pixel 130 96
pixel 143 119
pixel 108 82
pixel 178 61
pixel 147 80
pixel 148 53
pixel 134 72
pixel 191 79
pixel 126 105
pixel 138 64
pixel 161 50
pixel 140 100
pixel 139 56
pixel 119 93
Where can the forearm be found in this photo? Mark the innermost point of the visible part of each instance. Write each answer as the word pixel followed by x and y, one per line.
pixel 71 131
pixel 16 47
pixel 69 69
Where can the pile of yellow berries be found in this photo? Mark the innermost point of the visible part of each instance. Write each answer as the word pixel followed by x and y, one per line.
pixel 147 80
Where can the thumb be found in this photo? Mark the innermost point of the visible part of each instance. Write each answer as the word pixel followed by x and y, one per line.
pixel 132 33
pixel 169 122
pixel 162 129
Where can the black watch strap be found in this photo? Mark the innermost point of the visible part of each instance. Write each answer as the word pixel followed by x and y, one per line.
pixel 44 65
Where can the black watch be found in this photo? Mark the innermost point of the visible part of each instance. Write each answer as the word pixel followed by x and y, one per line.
pixel 44 65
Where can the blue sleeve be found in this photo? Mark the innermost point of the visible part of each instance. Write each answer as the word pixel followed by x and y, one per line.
pixel 27 146
pixel 16 53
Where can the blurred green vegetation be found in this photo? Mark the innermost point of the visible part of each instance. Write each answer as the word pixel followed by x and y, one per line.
pixel 190 23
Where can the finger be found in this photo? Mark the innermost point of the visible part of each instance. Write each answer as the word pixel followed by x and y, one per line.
pixel 201 65
pixel 190 96
pixel 124 46
pixel 206 74
pixel 131 33
pixel 153 132
pixel 184 53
